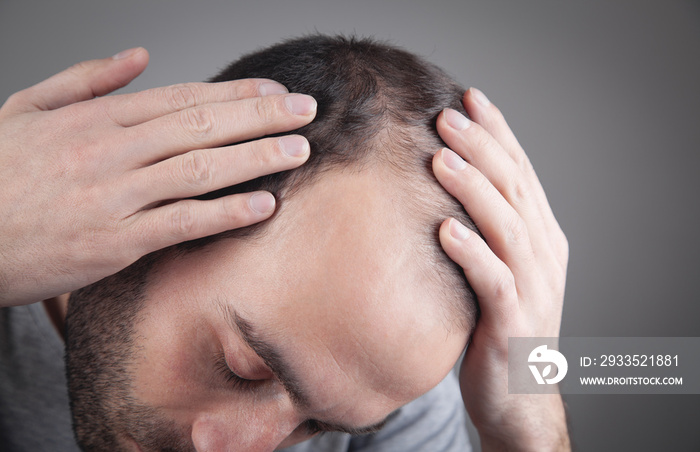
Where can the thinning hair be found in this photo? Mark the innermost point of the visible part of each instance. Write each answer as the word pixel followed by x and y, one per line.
pixel 377 105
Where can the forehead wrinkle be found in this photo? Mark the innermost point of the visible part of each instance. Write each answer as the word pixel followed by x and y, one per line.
pixel 353 245
pixel 337 365
pixel 339 247
pixel 351 401
pixel 375 354
pixel 274 361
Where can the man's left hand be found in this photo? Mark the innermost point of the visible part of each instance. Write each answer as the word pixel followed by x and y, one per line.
pixel 518 272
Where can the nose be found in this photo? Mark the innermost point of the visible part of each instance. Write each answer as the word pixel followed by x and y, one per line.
pixel 243 429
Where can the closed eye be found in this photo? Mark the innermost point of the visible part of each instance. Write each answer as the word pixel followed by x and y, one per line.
pixel 232 379
pixel 313 427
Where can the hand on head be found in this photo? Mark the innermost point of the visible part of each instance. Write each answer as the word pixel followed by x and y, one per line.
pixel 93 183
pixel 518 272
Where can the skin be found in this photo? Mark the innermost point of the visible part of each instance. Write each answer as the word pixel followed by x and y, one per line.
pixel 86 178
pixel 331 285
pixel 518 272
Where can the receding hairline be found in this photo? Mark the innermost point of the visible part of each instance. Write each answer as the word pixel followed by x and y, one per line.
pixel 415 202
pixel 404 139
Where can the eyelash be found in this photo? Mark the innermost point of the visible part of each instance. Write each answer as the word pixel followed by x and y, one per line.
pixel 312 428
pixel 230 377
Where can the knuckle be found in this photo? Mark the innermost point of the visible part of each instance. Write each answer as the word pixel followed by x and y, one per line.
pixel 197 168
pixel 504 286
pixel 482 140
pixel 79 68
pixel 18 98
pixel 181 96
pixel 182 220
pixel 198 121
pixel 519 192
pixel 524 163
pixel 265 110
pixel 516 230
pixel 245 88
pixel 235 211
pixel 262 157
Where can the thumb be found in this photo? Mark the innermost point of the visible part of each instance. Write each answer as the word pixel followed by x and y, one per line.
pixel 83 81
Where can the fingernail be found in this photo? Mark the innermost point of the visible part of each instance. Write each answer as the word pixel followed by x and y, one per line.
pixel 294 145
pixel 452 160
pixel 269 88
pixel 480 97
pixel 126 53
pixel 301 104
pixel 262 202
pixel 458 230
pixel 455 119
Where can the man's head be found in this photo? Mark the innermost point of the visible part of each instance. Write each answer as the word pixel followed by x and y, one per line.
pixel 336 312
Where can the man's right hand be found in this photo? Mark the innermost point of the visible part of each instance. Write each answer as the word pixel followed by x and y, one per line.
pixel 92 184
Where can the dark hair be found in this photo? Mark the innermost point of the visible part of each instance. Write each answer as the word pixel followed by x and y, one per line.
pixel 377 105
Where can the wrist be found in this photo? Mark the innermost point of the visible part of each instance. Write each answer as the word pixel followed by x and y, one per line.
pixel 552 441
pixel 537 425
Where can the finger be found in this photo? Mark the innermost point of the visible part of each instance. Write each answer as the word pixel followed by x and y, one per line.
pixel 481 150
pixel 82 81
pixel 204 171
pixel 189 219
pixel 131 109
pixel 491 279
pixel 218 124
pixel 486 114
pixel 502 227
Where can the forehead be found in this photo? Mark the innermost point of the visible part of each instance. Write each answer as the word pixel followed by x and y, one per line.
pixel 334 282
pixel 341 257
pixel 349 233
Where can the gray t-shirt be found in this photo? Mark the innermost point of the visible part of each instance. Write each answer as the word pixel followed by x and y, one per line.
pixel 35 414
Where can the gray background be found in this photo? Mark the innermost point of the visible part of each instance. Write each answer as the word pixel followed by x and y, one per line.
pixel 603 95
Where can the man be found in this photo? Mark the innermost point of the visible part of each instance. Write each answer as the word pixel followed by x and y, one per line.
pixel 333 315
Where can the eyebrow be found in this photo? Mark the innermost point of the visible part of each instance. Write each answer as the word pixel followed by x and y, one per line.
pixel 274 360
